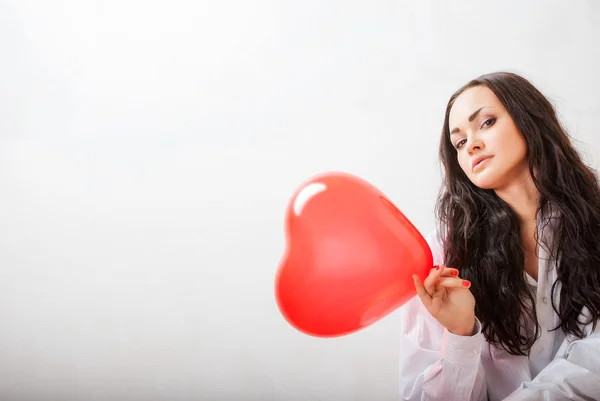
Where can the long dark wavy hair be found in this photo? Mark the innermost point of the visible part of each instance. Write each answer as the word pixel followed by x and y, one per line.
pixel 482 233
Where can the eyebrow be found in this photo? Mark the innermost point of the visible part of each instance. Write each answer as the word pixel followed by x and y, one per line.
pixel 471 118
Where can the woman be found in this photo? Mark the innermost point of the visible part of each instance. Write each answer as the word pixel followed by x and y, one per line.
pixel 511 310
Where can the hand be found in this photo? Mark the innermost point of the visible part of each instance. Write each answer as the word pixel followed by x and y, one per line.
pixel 448 299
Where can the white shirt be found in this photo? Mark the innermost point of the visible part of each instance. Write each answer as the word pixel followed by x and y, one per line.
pixel 438 365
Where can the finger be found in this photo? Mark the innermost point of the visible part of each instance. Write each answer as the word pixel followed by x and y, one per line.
pixel 447 271
pixel 421 292
pixel 444 283
pixel 450 272
pixel 432 278
pixel 451 282
pixel 437 302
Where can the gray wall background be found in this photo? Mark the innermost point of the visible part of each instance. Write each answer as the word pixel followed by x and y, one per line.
pixel 148 150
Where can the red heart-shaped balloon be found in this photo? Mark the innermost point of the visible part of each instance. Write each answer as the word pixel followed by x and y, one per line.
pixel 349 258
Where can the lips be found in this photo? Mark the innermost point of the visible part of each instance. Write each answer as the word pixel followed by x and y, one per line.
pixel 478 161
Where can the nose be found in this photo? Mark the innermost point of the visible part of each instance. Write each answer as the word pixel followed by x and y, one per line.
pixel 474 144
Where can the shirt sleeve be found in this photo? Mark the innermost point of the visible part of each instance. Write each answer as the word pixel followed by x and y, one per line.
pixel 434 363
pixel 574 374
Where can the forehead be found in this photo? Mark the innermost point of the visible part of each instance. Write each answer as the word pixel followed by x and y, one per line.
pixel 471 100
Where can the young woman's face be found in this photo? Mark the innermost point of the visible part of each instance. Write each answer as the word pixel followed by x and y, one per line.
pixel 489 147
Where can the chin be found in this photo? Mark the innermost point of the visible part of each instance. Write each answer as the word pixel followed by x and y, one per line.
pixel 485 181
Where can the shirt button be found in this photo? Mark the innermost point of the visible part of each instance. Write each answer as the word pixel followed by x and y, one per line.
pixel 473 350
pixel 545 300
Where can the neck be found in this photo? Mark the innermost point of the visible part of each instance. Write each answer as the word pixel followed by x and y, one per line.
pixel 523 197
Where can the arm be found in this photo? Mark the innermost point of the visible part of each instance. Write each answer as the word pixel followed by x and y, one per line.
pixel 436 364
pixel 574 374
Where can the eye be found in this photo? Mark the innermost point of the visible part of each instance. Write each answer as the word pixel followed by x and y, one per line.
pixel 460 143
pixel 488 123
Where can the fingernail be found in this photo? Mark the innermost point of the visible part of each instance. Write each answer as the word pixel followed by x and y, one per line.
pixel 454 272
pixel 437 267
pixel 466 283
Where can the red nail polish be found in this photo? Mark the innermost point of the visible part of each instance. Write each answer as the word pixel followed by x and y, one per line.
pixel 454 272
pixel 466 283
pixel 437 267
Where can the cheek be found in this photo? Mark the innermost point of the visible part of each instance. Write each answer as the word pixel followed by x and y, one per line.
pixel 463 161
pixel 515 149
pixel 523 148
pixel 506 138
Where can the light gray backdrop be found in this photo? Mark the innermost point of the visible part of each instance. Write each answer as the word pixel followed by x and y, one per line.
pixel 148 150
